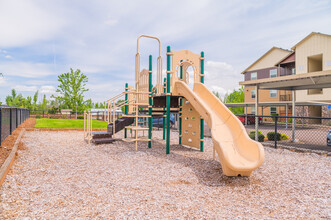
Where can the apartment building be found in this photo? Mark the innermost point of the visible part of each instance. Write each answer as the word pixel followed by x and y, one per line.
pixel 311 54
pixel 262 68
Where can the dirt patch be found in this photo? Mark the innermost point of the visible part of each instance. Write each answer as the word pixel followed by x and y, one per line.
pixel 8 143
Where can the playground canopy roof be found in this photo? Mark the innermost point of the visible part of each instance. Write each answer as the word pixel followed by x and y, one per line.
pixel 313 80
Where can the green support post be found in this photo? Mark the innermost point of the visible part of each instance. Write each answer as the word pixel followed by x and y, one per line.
pixel 163 119
pixel 168 100
pixel 150 119
pixel 126 107
pixel 202 122
pixel 180 107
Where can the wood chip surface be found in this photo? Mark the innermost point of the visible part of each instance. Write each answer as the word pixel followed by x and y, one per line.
pixel 60 176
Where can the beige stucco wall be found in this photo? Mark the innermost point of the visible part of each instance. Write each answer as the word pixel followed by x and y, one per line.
pixel 316 44
pixel 270 59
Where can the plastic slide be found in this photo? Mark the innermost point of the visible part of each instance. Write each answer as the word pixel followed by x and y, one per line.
pixel 237 152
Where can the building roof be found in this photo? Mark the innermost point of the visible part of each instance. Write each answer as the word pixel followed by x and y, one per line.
pixel 303 81
pixel 307 37
pixel 284 60
pixel 263 56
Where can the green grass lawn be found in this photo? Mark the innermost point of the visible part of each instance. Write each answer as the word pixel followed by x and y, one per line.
pixel 66 123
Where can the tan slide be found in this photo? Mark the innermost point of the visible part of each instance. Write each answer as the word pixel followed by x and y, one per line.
pixel 238 153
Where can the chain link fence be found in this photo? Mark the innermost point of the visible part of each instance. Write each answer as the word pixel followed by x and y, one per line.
pixel 313 133
pixel 10 119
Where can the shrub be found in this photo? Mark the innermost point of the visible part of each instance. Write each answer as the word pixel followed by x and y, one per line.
pixel 80 117
pixel 253 132
pixel 289 120
pixel 271 136
pixel 260 137
pixel 38 116
pixel 284 137
pixel 273 118
pixel 63 116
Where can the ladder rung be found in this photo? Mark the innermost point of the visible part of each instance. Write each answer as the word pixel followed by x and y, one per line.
pixel 136 128
pixel 133 139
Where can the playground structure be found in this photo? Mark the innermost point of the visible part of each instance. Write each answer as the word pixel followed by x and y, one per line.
pixel 238 154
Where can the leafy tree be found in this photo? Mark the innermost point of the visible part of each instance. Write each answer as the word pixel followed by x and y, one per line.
pixel 217 95
pixel 71 89
pixel 237 96
pixel 35 99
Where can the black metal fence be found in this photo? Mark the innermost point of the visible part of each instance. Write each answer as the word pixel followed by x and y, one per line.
pixel 294 132
pixel 10 119
pixel 96 115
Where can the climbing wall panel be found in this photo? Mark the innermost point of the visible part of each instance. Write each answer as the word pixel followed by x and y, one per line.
pixel 190 125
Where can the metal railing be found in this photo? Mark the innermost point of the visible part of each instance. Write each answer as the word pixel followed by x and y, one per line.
pixel 10 119
pixel 287 97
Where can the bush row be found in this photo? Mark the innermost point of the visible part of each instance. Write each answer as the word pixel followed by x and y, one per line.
pixel 270 135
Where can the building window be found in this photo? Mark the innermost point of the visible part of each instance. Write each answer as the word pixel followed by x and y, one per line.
pixel 253 110
pixel 273 73
pixel 273 110
pixel 253 94
pixel 253 76
pixel 273 93
pixel 314 91
pixel 293 71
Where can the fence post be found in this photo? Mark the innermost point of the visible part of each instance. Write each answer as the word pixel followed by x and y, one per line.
pixel 275 137
pixel 11 129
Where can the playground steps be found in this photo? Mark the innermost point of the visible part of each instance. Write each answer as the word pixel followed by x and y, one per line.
pixel 105 137
pixel 120 124
pixel 102 137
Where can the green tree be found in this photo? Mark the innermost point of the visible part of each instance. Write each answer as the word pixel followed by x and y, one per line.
pixel 217 95
pixel 71 89
pixel 237 96
pixel 35 99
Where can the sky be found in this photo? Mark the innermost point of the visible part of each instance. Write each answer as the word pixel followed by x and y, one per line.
pixel 41 39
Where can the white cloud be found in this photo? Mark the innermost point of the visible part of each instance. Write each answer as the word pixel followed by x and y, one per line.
pixel 47 89
pixel 22 88
pixel 46 38
pixel 8 57
pixel 110 22
pixel 2 80
pixel 26 22
pixel 221 90
pixel 27 69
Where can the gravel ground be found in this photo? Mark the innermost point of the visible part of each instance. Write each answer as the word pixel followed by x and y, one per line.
pixel 60 176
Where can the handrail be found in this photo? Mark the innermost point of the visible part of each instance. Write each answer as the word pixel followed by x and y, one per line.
pixel 116 97
pixel 147 36
pixel 158 66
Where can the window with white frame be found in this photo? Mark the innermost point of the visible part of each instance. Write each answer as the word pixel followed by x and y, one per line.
pixel 273 110
pixel 253 110
pixel 273 93
pixel 273 73
pixel 253 94
pixel 254 76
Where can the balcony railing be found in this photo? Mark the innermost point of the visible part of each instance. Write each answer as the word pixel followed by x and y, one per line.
pixel 287 97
